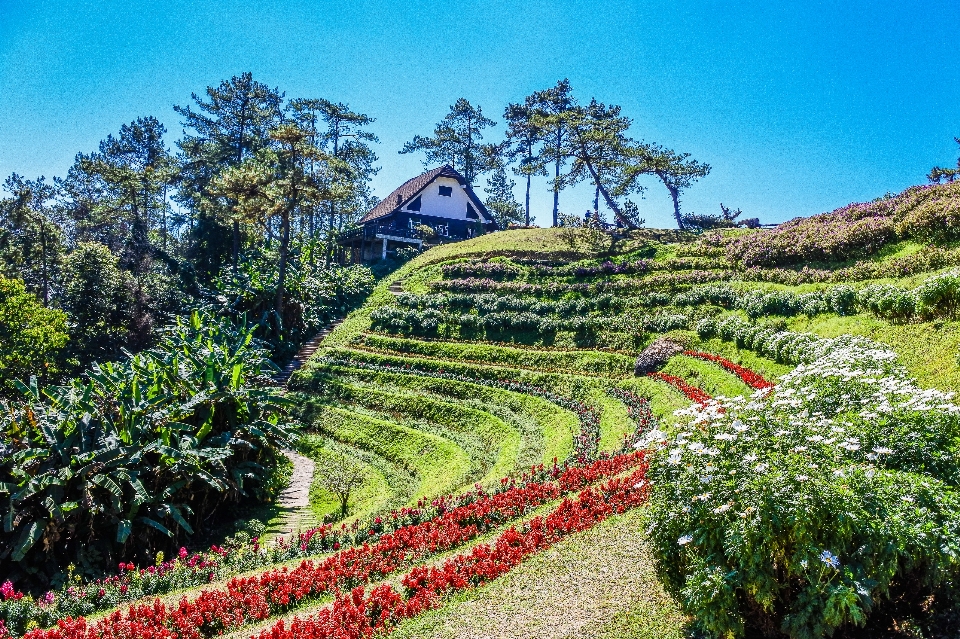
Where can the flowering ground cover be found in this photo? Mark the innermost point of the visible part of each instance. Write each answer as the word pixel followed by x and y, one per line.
pixel 693 393
pixel 750 378
pixel 255 598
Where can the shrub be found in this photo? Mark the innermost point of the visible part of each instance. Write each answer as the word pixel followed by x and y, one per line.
pixel 926 213
pixel 813 506
pixel 938 296
pixel 654 356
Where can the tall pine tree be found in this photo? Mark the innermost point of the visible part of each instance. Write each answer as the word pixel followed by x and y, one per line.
pixel 457 141
pixel 226 129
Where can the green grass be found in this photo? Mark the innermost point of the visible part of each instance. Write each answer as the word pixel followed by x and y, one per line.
pixel 586 389
pixel 664 399
pixel 384 487
pixel 588 362
pixel 500 440
pixel 439 465
pixel 770 369
pixel 553 427
pixel 708 376
pixel 929 350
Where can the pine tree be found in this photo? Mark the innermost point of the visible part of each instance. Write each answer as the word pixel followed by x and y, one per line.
pixel 550 117
pixel 457 141
pixel 501 202
pixel 523 136
pixel 31 241
pixel 224 131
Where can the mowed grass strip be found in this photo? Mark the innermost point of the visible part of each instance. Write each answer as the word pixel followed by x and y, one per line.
pixel 554 427
pixel 664 399
pixel 709 377
pixel 438 464
pixel 589 390
pixel 582 362
pixel 497 437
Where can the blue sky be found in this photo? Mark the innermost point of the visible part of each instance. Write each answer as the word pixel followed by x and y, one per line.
pixel 800 107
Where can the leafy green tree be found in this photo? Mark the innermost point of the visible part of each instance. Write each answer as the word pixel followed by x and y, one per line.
pixel 344 139
pixel 31 336
pixel 677 171
pixel 96 297
pixel 31 241
pixel 501 201
pixel 457 141
pixel 523 136
pixel 550 118
pixel 230 127
pixel 128 179
pixel 939 173
pixel 340 475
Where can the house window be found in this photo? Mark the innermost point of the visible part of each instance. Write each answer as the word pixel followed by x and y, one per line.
pixel 446 191
pixel 472 213
pixel 415 205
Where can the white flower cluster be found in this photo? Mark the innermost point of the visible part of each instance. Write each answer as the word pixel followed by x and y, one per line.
pixel 809 426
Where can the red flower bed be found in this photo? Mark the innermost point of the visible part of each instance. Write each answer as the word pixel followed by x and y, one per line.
pixel 693 393
pixel 751 379
pixel 355 616
pixel 255 598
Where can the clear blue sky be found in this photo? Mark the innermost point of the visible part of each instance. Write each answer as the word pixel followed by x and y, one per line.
pixel 799 106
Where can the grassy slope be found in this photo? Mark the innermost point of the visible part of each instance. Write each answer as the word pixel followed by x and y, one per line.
pixel 928 350
pixel 598 583
pixel 439 465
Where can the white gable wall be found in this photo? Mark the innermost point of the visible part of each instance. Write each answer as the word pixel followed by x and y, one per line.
pixel 453 207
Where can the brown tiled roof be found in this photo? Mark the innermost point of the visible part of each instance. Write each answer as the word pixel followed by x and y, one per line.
pixel 412 187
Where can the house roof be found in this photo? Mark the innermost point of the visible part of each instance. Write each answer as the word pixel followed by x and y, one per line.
pixel 410 189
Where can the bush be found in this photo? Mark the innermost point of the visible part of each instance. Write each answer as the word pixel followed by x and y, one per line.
pixel 939 296
pixel 813 507
pixel 925 213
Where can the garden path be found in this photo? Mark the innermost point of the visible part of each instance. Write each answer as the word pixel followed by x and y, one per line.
pixel 295 499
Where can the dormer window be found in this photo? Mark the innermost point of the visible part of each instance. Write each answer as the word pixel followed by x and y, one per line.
pixel 415 205
pixel 446 191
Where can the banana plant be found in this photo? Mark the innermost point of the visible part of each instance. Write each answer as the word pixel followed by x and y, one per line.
pixel 126 450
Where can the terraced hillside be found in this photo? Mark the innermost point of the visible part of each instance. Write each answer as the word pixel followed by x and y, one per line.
pixel 508 440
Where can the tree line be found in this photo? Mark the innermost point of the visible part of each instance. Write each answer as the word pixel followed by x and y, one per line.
pixel 242 212
pixel 240 215
pixel 550 133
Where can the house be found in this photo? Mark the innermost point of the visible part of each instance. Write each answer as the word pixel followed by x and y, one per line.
pixel 440 199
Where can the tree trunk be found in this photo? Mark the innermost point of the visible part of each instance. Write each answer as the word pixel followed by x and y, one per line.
pixel 606 196
pixel 528 201
pixel 282 271
pixel 236 245
pixel 43 258
pixel 675 196
pixel 556 193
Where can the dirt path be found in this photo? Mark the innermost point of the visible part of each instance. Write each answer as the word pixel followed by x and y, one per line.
pixel 583 588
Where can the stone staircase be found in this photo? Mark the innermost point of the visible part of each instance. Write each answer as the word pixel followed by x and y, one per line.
pixel 304 353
